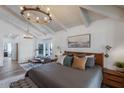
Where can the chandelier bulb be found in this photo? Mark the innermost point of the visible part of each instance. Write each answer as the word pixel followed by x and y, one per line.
pixel 28 14
pixel 50 15
pixel 21 8
pixel 45 18
pixel 48 9
pixel 37 18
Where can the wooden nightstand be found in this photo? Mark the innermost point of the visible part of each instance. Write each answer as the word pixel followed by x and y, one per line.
pixel 113 78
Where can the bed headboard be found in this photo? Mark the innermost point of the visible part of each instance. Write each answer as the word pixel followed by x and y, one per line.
pixel 99 56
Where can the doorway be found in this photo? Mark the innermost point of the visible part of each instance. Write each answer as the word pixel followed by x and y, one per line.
pixel 11 51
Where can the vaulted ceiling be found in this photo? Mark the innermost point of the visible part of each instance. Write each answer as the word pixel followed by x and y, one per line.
pixel 65 16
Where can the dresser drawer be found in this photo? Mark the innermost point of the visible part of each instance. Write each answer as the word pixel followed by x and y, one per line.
pixel 113 83
pixel 114 78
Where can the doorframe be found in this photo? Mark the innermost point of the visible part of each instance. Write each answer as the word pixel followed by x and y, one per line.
pixel 16 51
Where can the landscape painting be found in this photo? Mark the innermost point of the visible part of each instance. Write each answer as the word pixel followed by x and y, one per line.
pixel 79 41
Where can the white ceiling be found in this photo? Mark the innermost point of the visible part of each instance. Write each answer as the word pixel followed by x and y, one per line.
pixel 66 16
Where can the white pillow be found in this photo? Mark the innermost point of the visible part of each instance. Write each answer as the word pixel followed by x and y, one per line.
pixel 60 59
pixel 89 56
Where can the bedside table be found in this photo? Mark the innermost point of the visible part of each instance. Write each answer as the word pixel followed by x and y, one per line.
pixel 113 78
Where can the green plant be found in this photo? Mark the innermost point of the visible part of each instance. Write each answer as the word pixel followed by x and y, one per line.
pixel 119 64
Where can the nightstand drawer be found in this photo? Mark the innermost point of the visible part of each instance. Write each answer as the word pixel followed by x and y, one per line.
pixel 113 83
pixel 114 78
pixel 113 72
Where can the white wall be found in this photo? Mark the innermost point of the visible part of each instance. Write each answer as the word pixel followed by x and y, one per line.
pixel 26 50
pixel 1 52
pixel 103 32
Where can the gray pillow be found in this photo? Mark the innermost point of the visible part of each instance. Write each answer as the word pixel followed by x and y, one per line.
pixel 90 62
pixel 68 61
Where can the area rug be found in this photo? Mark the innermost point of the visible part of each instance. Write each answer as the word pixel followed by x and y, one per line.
pixel 28 66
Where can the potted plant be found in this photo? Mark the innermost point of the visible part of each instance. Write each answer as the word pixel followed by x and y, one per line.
pixel 119 66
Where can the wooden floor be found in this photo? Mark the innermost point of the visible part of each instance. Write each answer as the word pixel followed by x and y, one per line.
pixel 10 68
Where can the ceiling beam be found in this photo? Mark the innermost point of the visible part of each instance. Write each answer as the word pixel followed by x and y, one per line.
pixel 20 18
pixel 38 29
pixel 40 26
pixel 39 35
pixel 48 29
pixel 85 16
pixel 16 26
pixel 63 26
pixel 109 11
pixel 59 23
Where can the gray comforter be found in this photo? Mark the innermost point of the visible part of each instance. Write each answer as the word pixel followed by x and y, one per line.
pixel 54 76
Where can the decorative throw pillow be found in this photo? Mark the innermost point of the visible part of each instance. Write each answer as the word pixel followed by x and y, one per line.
pixel 60 59
pixel 68 61
pixel 79 63
pixel 90 62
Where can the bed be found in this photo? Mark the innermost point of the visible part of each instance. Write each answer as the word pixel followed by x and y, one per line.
pixel 53 75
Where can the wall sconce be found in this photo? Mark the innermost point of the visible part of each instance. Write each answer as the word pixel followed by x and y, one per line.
pixel 59 51
pixel 108 48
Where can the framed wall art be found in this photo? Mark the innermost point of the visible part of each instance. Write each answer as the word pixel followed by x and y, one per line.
pixel 79 41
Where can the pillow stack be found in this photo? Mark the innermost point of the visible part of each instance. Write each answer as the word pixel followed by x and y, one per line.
pixel 79 61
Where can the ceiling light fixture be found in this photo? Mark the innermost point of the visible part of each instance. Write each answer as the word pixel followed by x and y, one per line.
pixel 36 14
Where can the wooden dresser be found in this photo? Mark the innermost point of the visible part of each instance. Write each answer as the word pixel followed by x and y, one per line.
pixel 113 78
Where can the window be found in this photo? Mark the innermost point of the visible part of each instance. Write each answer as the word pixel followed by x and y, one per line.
pixel 45 49
pixel 40 48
